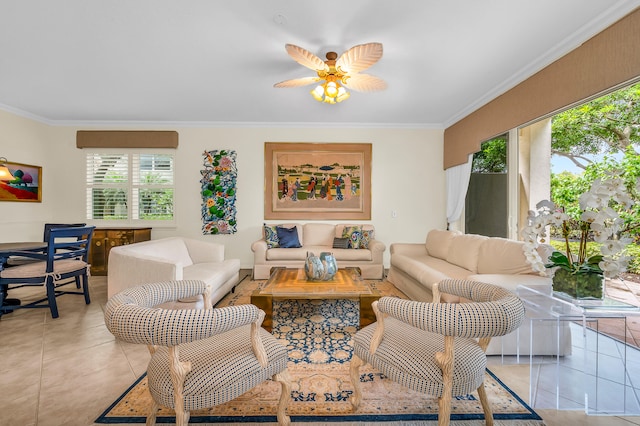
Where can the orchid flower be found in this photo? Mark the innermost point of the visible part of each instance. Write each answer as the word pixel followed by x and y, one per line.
pixel 598 221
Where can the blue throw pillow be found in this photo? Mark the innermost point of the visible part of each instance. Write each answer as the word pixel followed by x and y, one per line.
pixel 288 237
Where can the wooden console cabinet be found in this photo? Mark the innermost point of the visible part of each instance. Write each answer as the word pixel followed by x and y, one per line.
pixel 106 238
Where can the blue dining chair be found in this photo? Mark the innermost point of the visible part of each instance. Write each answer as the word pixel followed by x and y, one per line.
pixel 19 260
pixel 66 257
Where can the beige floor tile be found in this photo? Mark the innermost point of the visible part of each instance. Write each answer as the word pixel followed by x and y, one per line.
pixel 19 403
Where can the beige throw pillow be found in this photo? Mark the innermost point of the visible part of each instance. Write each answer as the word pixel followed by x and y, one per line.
pixel 438 242
pixel 464 251
pixel 503 256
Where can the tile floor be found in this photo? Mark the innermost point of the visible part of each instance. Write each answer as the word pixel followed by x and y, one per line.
pixel 66 371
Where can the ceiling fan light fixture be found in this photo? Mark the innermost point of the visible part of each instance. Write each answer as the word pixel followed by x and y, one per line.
pixel 318 93
pixel 331 89
pixel 330 92
pixel 342 94
pixel 335 73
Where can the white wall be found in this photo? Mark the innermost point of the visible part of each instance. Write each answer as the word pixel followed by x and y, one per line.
pixel 407 177
pixel 24 141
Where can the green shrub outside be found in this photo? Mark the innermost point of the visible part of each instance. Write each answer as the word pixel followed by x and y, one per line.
pixel 593 248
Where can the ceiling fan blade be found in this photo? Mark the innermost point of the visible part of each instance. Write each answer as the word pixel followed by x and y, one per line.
pixel 365 83
pixel 359 57
pixel 306 58
pixel 298 82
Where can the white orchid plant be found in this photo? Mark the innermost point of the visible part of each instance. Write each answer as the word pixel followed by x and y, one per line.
pixel 598 221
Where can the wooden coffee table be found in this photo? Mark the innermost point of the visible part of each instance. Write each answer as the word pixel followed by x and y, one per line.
pixel 290 283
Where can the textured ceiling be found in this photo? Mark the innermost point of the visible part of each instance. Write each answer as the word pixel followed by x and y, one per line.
pixel 210 61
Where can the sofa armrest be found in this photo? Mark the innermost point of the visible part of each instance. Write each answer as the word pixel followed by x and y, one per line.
pixel 377 250
pixel 259 249
pixel 408 249
pixel 204 251
pixel 128 270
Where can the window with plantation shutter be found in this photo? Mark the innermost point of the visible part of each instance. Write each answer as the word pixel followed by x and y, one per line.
pixel 130 187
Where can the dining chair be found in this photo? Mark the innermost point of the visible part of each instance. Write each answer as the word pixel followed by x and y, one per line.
pixel 21 260
pixel 199 357
pixel 65 256
pixel 437 348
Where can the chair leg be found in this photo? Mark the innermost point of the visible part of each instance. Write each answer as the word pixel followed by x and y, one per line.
pixel 51 296
pixel 85 287
pixel 285 397
pixel 486 407
pixel 3 296
pixel 354 372
pixel 444 410
pixel 178 371
pixel 182 418
pixel 445 362
pixel 151 418
pixel 77 281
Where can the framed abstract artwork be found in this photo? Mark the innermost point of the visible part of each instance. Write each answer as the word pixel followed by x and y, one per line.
pixel 317 181
pixel 20 182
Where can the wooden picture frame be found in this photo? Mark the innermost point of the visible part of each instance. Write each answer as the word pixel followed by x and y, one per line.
pixel 23 184
pixel 320 181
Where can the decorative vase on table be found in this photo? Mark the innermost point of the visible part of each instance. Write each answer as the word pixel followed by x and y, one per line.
pixel 581 286
pixel 313 268
pixel 321 268
pixel 330 265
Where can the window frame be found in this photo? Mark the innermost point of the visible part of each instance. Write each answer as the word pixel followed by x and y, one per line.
pixel 133 184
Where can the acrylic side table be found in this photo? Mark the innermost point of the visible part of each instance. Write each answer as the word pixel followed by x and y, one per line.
pixel 601 376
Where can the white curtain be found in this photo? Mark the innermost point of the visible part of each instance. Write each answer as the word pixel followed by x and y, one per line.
pixel 457 181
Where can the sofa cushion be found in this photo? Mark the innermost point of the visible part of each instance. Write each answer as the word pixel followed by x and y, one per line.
pixel 287 253
pixel 503 256
pixel 318 234
pixel 354 234
pixel 511 282
pixel 349 255
pixel 464 251
pixel 425 268
pixel 288 237
pixel 214 274
pixel 271 236
pixel 438 242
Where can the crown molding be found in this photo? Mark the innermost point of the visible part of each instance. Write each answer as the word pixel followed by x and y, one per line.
pixel 124 124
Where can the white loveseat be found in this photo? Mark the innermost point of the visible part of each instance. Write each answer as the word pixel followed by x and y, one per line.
pixel 415 267
pixel 316 238
pixel 173 258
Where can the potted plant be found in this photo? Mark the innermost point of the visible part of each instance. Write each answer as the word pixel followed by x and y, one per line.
pixel 576 273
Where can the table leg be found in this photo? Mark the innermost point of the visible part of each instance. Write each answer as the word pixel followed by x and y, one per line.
pixel 264 302
pixel 367 316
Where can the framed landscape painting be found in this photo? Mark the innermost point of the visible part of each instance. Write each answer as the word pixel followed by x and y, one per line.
pixel 317 181
pixel 20 182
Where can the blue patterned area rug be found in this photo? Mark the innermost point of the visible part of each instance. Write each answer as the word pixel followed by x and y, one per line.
pixel 318 336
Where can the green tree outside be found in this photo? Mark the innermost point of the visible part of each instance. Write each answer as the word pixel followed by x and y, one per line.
pixel 609 125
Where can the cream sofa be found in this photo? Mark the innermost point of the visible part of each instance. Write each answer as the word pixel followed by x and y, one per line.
pixel 415 267
pixel 173 258
pixel 317 238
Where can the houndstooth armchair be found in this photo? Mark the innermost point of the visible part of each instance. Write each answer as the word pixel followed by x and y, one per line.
pixel 437 348
pixel 200 358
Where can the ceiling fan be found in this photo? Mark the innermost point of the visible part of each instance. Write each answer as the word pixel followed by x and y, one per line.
pixel 337 73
